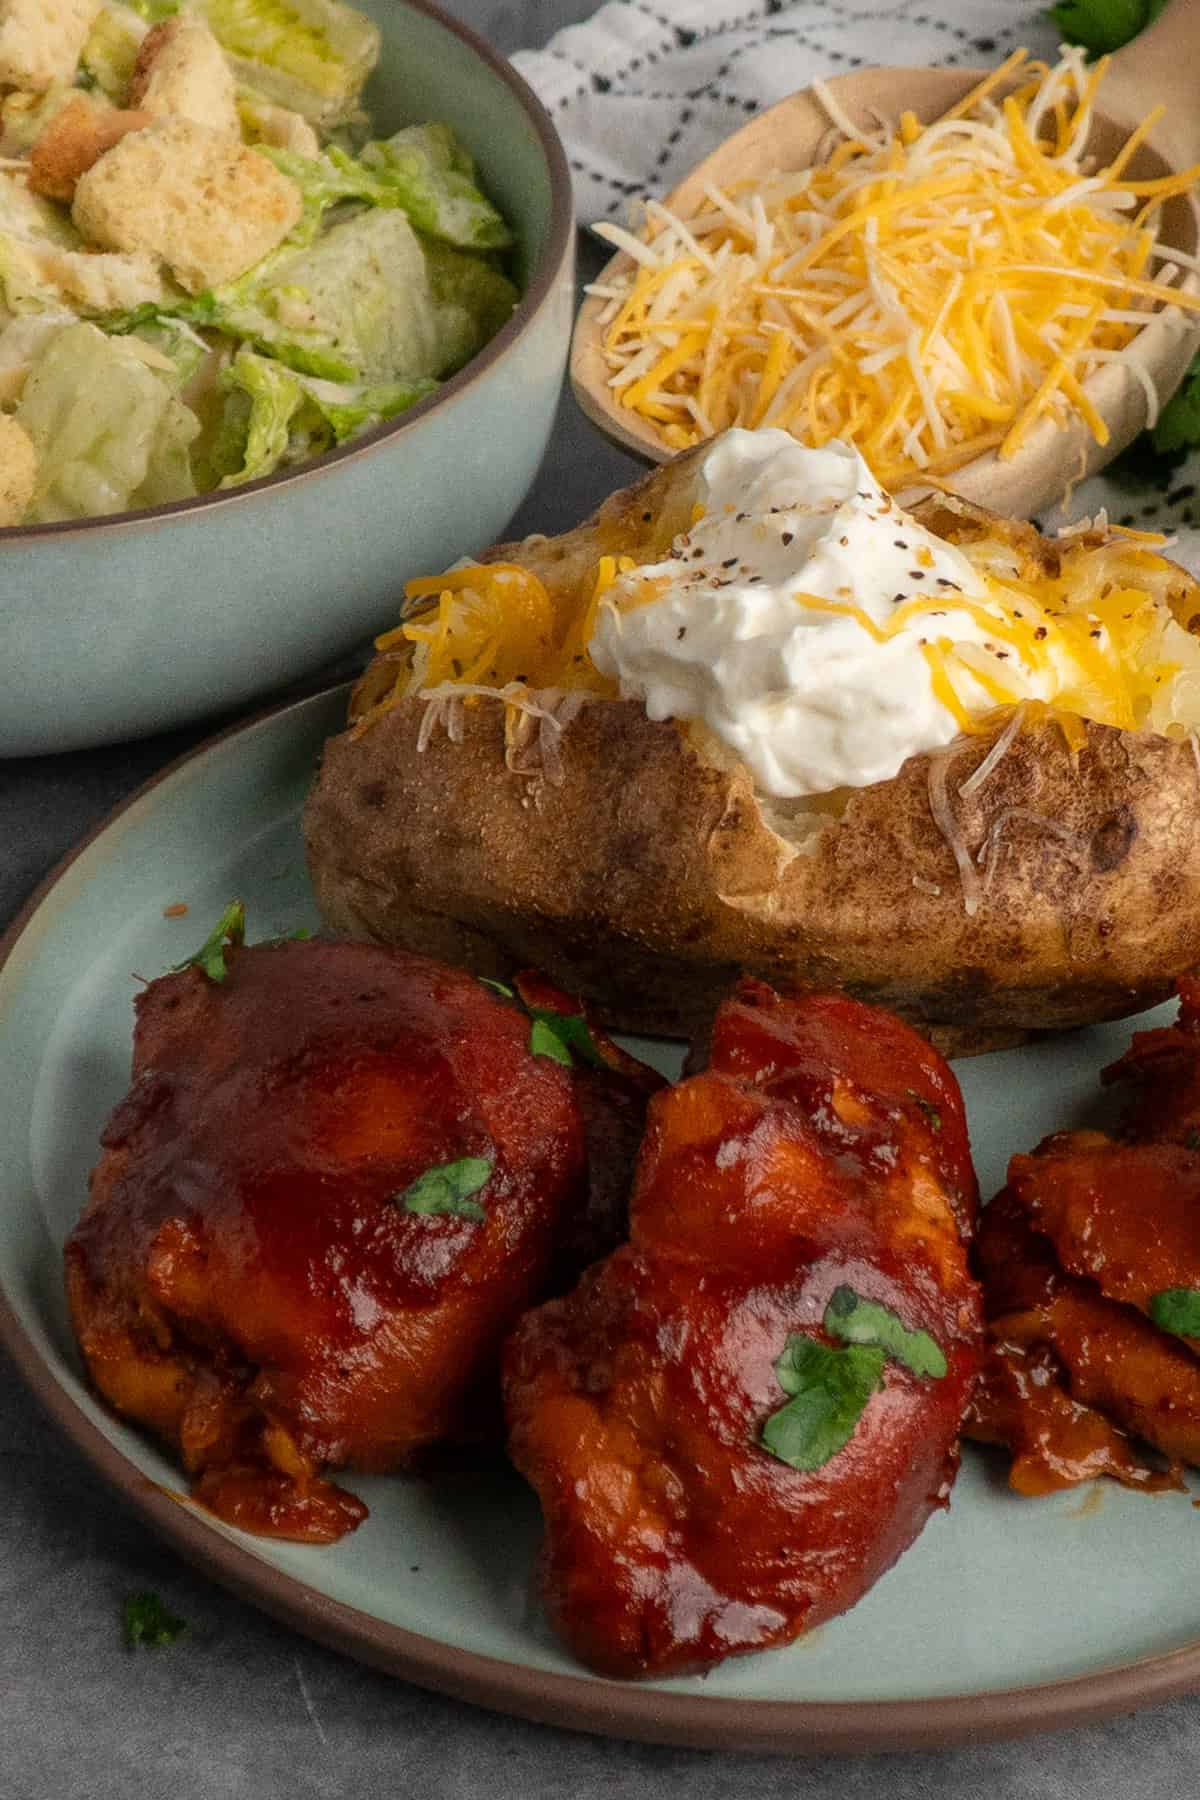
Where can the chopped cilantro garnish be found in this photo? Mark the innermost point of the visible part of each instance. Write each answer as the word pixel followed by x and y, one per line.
pixel 857 1321
pixel 1178 425
pixel 1177 1310
pixel 1104 25
pixel 1154 456
pixel 562 1035
pixel 829 1390
pixel 148 1622
pixel 448 1189
pixel 545 1041
pixel 931 1112
pixel 230 928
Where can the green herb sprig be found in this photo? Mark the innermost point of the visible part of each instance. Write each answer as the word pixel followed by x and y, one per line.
pixel 933 1117
pixel 1154 455
pixel 1102 26
pixel 562 1037
pixel 829 1390
pixel 1177 1310
pixel 854 1320
pixel 148 1624
pixel 230 929
pixel 447 1188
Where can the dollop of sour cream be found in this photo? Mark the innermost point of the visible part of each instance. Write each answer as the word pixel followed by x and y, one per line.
pixel 732 628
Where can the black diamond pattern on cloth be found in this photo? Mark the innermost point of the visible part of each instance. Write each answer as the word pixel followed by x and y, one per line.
pixel 642 91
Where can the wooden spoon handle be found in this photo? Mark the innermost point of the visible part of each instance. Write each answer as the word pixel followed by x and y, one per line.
pixel 1161 67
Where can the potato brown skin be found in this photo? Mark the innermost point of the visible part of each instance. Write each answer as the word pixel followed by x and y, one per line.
pixel 650 876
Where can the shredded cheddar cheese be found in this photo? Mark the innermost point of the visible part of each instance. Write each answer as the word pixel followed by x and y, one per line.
pixel 1099 621
pixel 929 293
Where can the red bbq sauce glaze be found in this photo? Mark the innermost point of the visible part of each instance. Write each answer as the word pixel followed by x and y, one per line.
pixel 824 1146
pixel 1071 1378
pixel 246 1279
pixel 1089 1231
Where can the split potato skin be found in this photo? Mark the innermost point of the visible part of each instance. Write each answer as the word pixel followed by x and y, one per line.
pixel 649 877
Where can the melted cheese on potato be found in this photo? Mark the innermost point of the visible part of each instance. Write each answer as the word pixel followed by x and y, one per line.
pixel 816 628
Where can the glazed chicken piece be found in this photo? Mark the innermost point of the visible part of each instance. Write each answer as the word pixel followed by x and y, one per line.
pixel 338 1177
pixel 738 1421
pixel 1161 1071
pixel 1090 1260
pixel 1069 1374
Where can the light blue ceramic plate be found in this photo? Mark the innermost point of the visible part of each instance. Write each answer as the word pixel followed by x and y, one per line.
pixel 1007 1615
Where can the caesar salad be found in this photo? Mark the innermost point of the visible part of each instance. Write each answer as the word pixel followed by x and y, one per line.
pixel 210 270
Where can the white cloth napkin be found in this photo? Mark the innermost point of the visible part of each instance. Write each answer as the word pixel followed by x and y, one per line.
pixel 646 88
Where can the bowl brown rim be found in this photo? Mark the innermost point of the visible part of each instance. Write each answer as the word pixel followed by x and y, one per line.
pixel 578 1702
pixel 559 236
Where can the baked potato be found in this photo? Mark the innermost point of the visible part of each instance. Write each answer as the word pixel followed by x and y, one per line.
pixel 1039 872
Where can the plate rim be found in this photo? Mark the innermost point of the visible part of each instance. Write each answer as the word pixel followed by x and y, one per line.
pixel 581 1702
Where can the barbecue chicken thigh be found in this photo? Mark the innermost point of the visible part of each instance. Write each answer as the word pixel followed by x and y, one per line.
pixel 738 1421
pixel 339 1175
pixel 1090 1260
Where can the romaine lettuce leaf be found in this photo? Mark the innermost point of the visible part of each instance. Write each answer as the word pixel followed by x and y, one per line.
pixel 274 417
pixel 472 300
pixel 29 227
pixel 33 218
pixel 275 396
pixel 433 178
pixel 367 302
pixel 324 181
pixel 349 409
pixel 183 347
pixel 109 433
pixel 24 116
pixel 107 60
pixel 423 170
pixel 21 341
pixel 397 307
pixel 310 55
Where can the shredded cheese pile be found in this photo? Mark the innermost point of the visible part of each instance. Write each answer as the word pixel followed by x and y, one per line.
pixel 927 294
pixel 494 626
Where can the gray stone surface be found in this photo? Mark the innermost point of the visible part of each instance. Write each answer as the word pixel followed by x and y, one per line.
pixel 245 1710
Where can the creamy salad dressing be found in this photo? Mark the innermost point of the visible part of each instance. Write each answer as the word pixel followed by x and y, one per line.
pixel 737 633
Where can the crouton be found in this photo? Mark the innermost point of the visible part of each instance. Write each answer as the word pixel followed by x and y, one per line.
pixel 181 72
pixel 91 281
pixel 40 40
pixel 75 138
pixel 18 470
pixel 208 207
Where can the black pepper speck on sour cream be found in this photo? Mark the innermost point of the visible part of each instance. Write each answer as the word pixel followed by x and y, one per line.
pixel 743 631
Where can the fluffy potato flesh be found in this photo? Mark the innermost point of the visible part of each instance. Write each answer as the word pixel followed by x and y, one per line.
pixel 638 865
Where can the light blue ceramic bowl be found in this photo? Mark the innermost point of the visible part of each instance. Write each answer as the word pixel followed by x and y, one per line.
pixel 115 628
